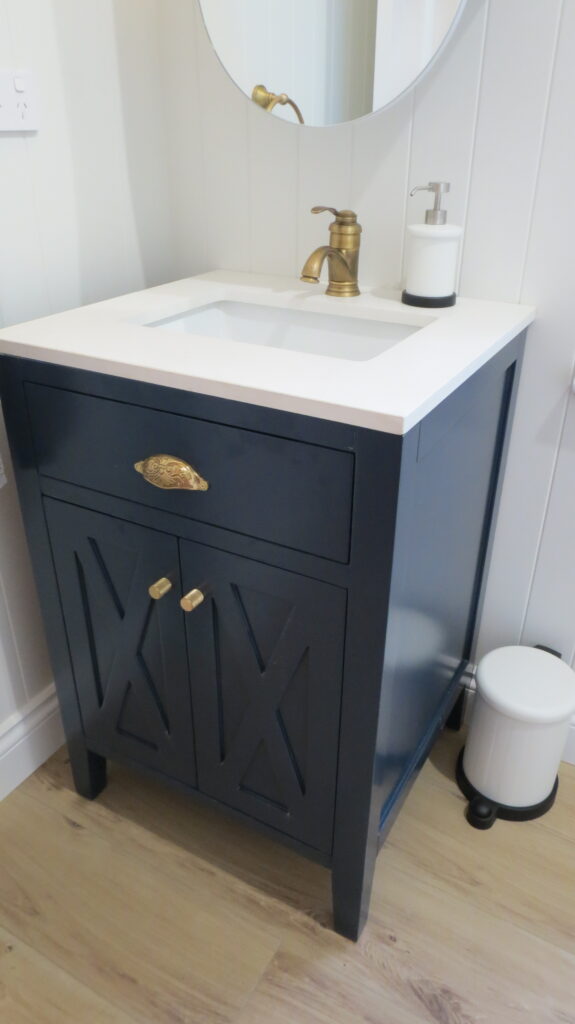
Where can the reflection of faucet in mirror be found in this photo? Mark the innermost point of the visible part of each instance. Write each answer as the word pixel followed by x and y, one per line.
pixel 342 254
pixel 268 100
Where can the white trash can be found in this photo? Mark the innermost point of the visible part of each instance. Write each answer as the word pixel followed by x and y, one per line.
pixel 524 702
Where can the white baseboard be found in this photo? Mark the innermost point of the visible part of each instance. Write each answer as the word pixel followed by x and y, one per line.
pixel 569 749
pixel 28 738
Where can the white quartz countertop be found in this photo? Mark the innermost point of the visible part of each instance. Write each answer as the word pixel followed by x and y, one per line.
pixel 390 392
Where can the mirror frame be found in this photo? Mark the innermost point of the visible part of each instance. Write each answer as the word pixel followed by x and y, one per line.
pixel 462 4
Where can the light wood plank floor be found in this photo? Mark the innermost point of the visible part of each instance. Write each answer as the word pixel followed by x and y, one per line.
pixel 143 907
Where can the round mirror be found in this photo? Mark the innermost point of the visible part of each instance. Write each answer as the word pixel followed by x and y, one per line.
pixel 326 61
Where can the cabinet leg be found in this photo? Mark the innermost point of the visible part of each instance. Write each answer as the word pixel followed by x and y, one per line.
pixel 456 715
pixel 88 770
pixel 351 891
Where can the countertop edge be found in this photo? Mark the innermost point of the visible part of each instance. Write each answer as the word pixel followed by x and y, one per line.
pixel 390 393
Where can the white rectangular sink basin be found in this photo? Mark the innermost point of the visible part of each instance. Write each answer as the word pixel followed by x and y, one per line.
pixel 319 334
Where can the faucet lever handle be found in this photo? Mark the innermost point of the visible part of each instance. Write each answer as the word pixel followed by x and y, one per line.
pixel 324 209
pixel 342 216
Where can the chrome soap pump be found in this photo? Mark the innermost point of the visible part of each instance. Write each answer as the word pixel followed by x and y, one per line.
pixel 432 253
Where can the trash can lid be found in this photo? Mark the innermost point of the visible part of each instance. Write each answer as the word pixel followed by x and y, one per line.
pixel 527 684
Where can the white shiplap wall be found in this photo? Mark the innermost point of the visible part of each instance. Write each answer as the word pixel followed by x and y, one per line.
pixel 495 118
pixel 84 214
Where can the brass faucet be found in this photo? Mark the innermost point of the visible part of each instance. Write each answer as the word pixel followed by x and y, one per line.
pixel 342 254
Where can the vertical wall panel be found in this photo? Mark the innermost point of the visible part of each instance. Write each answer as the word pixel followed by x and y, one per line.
pixel 23 284
pixel 273 182
pixel 325 163
pixel 545 381
pixel 224 127
pixel 137 46
pixel 109 253
pixel 22 647
pixel 23 291
pixel 512 109
pixel 179 39
pixel 551 611
pixel 12 689
pixel 51 187
pixel 445 116
pixel 381 146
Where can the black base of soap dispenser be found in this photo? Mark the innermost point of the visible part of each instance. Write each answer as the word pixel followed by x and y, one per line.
pixel 422 300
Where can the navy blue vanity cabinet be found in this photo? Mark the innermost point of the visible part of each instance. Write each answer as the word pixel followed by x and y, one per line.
pixel 317 604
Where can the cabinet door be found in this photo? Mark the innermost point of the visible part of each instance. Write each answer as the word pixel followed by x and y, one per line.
pixel 128 651
pixel 265 652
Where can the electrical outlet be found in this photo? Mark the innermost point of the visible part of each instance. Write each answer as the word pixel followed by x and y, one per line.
pixel 18 102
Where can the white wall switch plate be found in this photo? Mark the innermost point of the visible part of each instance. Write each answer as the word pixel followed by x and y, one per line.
pixel 18 102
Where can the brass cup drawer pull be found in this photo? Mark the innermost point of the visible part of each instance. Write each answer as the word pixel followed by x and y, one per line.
pixel 160 588
pixel 191 600
pixel 170 473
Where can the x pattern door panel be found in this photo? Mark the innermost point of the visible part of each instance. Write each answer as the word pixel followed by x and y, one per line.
pixel 128 651
pixel 265 655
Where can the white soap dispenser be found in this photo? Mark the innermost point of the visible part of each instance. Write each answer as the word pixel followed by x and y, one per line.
pixel 432 252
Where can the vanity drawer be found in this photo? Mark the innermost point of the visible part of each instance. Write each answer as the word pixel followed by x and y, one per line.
pixel 286 492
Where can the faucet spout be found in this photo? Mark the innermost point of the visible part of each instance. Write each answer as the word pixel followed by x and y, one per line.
pixel 312 266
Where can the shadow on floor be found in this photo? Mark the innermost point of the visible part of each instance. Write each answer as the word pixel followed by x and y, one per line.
pixel 202 832
pixel 445 753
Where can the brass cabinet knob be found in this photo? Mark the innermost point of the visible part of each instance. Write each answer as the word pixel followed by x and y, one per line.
pixel 191 600
pixel 170 473
pixel 159 588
